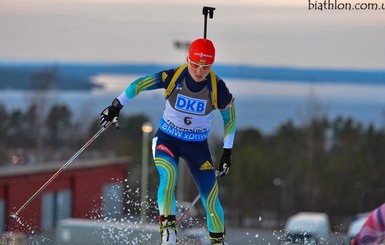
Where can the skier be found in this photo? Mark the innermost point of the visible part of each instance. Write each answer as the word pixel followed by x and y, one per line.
pixel 373 230
pixel 193 92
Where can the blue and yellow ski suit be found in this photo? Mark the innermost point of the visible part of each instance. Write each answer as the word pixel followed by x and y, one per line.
pixel 183 132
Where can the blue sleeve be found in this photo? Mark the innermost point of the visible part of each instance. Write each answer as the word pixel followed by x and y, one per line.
pixel 228 116
pixel 227 109
pixel 224 95
pixel 149 82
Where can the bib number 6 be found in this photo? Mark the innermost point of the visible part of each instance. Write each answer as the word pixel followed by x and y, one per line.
pixel 187 120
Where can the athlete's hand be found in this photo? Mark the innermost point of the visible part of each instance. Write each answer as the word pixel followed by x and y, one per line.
pixel 225 162
pixel 110 114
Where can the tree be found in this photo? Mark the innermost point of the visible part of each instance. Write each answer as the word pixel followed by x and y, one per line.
pixel 58 122
pixel 3 133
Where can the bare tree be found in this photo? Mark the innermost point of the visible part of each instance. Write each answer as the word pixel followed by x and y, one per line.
pixel 42 84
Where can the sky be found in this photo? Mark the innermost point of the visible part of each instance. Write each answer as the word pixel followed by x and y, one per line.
pixel 253 32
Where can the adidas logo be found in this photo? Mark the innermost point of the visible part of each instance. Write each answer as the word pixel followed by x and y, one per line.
pixel 164 76
pixel 206 166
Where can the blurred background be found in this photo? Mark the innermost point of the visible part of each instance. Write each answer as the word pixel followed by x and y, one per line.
pixel 308 79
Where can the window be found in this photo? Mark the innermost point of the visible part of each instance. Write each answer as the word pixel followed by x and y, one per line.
pixel 55 206
pixel 113 200
pixel 48 211
pixel 2 216
pixel 63 204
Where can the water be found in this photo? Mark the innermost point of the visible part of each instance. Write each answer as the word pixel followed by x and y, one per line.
pixel 259 104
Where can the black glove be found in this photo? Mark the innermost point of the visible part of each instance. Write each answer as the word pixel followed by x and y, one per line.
pixel 110 113
pixel 225 162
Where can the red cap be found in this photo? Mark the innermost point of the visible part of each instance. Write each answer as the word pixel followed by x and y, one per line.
pixel 202 51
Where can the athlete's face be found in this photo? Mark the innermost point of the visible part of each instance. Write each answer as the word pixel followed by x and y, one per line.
pixel 198 71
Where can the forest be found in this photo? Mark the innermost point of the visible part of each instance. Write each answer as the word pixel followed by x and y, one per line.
pixel 334 166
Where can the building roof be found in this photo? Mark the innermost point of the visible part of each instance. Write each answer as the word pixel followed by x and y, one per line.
pixel 29 169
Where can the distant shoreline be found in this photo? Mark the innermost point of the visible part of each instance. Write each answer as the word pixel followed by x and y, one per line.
pixel 78 76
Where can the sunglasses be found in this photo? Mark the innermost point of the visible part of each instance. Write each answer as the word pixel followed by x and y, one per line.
pixel 196 66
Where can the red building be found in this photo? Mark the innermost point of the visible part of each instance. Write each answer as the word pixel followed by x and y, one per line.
pixel 86 189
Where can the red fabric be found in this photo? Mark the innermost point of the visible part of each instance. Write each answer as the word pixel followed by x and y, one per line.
pixel 202 51
pixel 373 230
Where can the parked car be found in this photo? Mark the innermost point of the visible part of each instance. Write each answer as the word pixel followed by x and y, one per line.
pixel 99 232
pixel 306 228
pixel 355 226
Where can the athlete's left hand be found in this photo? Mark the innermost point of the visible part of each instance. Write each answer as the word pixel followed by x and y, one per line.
pixel 225 162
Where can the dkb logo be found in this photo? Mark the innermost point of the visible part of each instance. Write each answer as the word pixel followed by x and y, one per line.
pixel 191 105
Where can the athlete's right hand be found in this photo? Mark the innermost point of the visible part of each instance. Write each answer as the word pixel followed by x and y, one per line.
pixel 110 113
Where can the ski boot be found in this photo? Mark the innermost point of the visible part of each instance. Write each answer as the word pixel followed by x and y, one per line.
pixel 218 238
pixel 167 230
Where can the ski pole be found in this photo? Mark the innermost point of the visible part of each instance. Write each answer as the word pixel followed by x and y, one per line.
pixel 188 209
pixel 53 177
pixel 193 203
pixel 207 11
